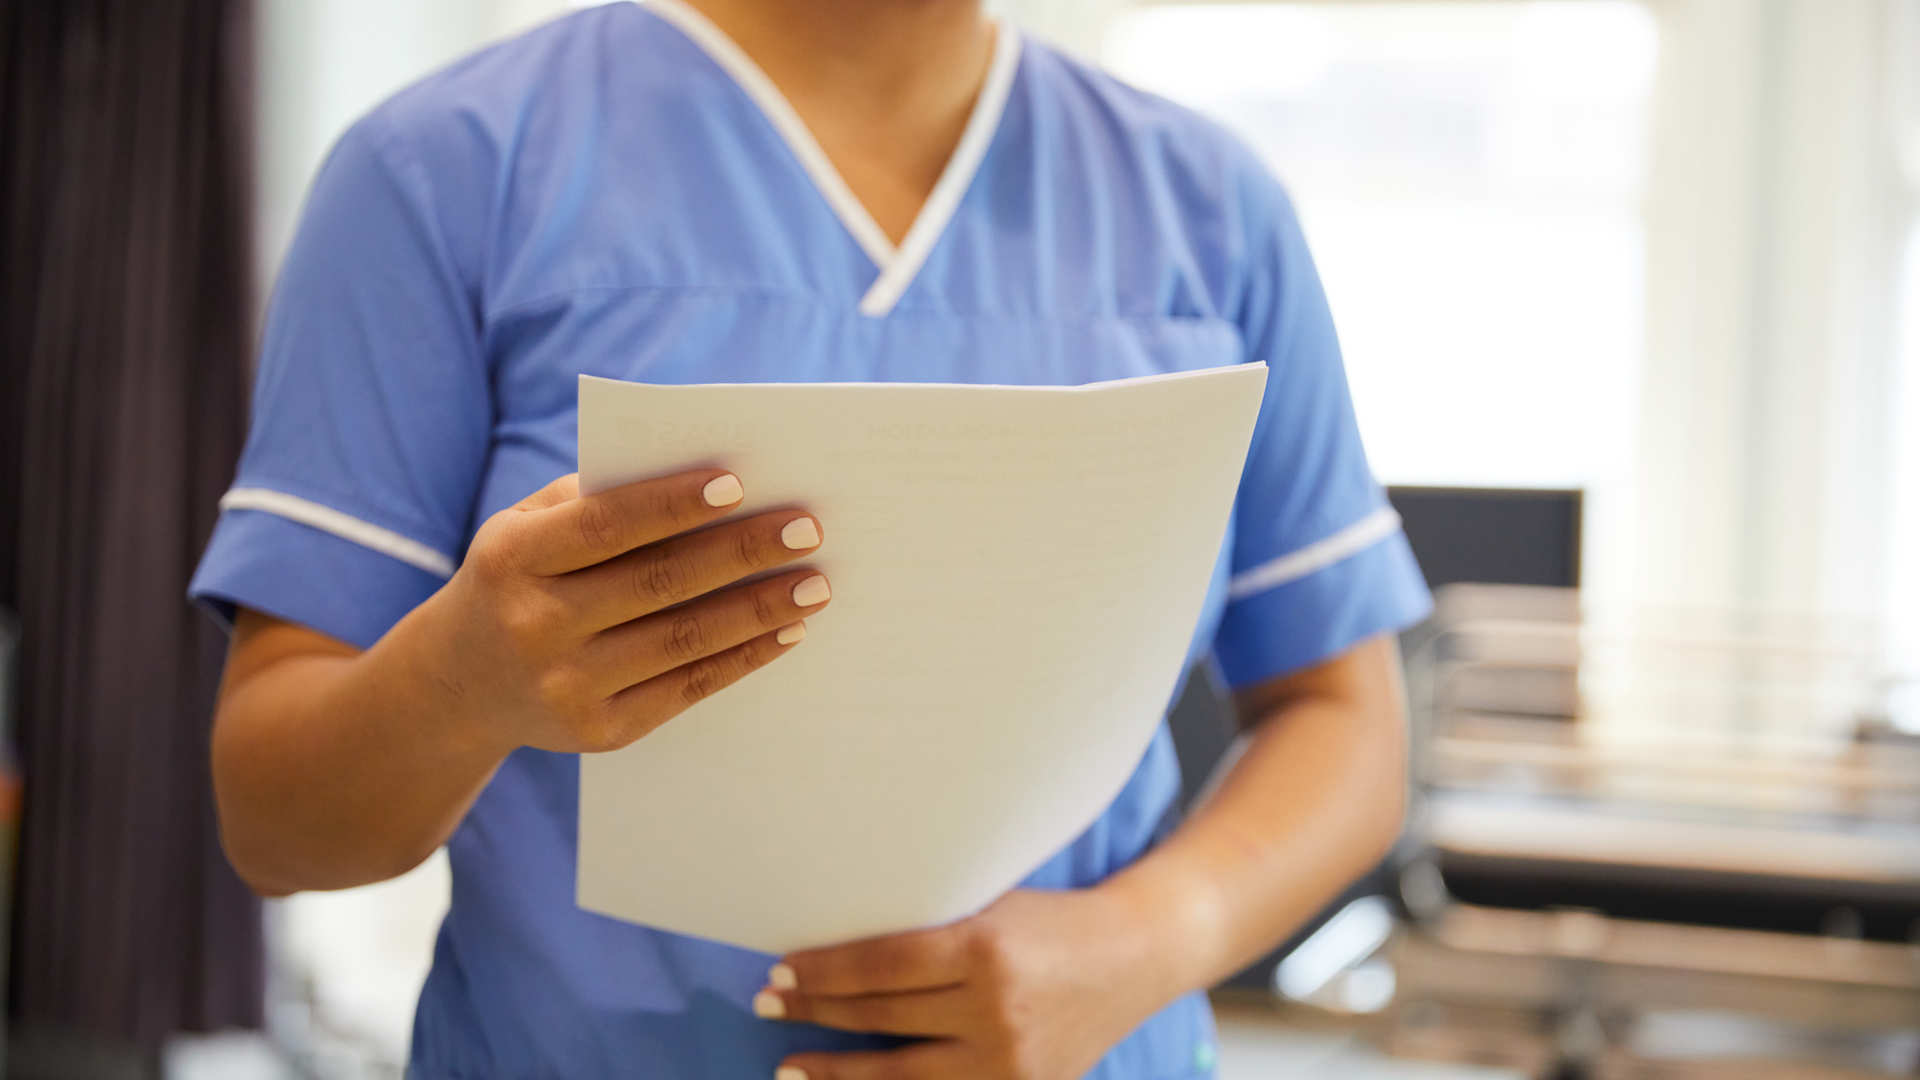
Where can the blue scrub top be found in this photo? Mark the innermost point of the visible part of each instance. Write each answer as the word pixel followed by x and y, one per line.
pixel 622 193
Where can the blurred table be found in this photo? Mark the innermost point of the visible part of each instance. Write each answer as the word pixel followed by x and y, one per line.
pixel 1259 1043
pixel 1675 846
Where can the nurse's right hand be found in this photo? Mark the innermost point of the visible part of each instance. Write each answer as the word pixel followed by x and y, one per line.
pixel 579 623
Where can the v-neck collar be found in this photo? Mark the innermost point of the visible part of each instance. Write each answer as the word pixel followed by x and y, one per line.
pixel 897 265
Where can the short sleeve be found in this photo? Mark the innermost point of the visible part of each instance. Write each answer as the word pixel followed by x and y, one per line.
pixel 1319 560
pixel 371 410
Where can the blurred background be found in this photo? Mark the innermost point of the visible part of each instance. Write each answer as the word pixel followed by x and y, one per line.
pixel 1630 297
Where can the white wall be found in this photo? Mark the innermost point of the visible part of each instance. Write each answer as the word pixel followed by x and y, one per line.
pixel 1079 26
pixel 1903 46
pixel 324 62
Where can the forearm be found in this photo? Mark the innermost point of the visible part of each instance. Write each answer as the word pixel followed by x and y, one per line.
pixel 1316 799
pixel 339 770
pixel 575 624
pixel 1042 982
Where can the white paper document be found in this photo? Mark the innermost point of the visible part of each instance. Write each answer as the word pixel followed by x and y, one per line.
pixel 1017 573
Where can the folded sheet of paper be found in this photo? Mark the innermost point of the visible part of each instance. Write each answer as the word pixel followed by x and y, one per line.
pixel 1017 573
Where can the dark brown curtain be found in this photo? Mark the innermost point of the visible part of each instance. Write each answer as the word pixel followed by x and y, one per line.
pixel 127 319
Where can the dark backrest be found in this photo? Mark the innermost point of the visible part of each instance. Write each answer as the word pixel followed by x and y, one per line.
pixel 1493 536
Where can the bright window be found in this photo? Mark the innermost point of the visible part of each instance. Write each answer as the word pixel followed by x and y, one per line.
pixel 1904 566
pixel 1469 174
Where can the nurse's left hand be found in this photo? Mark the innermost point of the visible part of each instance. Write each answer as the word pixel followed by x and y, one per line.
pixel 1037 987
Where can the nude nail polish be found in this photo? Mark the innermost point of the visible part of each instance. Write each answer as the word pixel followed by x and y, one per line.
pixel 800 534
pixel 768 1006
pixel 788 635
pixel 781 977
pixel 722 490
pixel 813 590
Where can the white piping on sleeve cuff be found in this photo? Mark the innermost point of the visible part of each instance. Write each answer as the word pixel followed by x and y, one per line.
pixel 345 526
pixel 1316 556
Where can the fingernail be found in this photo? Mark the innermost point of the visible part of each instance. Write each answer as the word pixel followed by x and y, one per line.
pixel 813 590
pixel 800 534
pixel 781 977
pixel 787 636
pixel 722 490
pixel 789 1072
pixel 768 1006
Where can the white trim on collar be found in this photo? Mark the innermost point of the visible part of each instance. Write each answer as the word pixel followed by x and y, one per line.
pixel 954 180
pixel 897 266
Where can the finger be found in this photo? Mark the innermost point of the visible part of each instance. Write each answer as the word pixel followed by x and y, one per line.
pixel 641 708
pixel 555 493
pixel 636 651
pixel 922 1012
pixel 676 570
pixel 916 960
pixel 568 534
pixel 942 1060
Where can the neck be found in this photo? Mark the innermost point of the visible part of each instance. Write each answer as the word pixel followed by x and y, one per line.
pixel 913 54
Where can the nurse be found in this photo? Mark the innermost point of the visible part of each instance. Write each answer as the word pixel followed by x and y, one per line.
pixel 431 623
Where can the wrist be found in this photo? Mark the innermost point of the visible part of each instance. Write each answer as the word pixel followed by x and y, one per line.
pixel 1176 919
pixel 423 656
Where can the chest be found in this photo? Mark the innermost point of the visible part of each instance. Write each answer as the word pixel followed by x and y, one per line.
pixel 674 235
pixel 681 335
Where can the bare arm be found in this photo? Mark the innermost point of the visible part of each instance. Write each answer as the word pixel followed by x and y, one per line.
pixel 575 624
pixel 335 767
pixel 1316 799
pixel 1042 983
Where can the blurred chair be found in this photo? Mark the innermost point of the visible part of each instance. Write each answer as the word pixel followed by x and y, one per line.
pixel 1716 776
pixel 1493 536
pixel 1710 874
